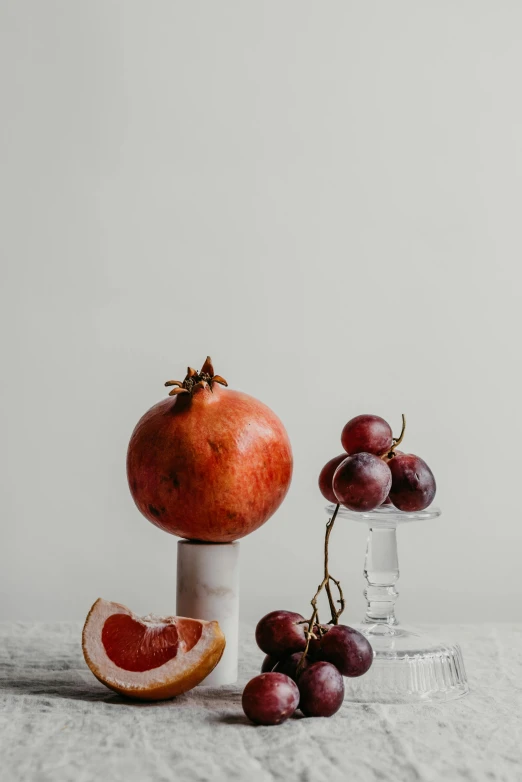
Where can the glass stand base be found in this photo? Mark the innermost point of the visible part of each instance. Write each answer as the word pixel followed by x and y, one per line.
pixel 408 667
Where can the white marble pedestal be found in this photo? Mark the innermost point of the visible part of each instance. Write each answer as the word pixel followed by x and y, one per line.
pixel 208 588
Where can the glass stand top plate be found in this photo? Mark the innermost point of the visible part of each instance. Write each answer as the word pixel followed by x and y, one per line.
pixel 385 516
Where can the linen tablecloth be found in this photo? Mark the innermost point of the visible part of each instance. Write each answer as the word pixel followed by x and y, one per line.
pixel 57 722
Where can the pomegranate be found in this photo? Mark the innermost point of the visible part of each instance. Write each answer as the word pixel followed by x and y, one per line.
pixel 208 463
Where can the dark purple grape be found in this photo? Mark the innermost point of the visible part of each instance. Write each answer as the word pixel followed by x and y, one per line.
pixel 387 502
pixel 279 633
pixel 413 483
pixel 362 482
pixel 321 688
pixel 288 665
pixel 367 434
pixel 269 663
pixel 314 649
pixel 326 477
pixel 270 698
pixel 347 649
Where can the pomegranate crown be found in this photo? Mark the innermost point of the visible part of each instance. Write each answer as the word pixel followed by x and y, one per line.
pixel 205 378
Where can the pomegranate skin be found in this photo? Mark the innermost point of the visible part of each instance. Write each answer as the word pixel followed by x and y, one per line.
pixel 212 466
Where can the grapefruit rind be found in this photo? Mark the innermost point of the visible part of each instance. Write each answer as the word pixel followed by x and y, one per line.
pixel 174 677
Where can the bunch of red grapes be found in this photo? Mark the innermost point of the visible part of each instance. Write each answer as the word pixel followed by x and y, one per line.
pixel 306 661
pixel 371 472
pixel 294 676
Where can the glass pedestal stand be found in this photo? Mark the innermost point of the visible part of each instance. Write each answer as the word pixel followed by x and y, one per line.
pixel 408 666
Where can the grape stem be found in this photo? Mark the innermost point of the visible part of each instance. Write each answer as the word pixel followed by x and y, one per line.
pixel 396 440
pixel 325 584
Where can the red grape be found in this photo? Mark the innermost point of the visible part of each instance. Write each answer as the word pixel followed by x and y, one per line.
pixel 413 483
pixel 387 502
pixel 269 663
pixel 314 649
pixel 362 482
pixel 348 650
pixel 270 698
pixel 288 665
pixel 326 477
pixel 279 633
pixel 367 434
pixel 321 688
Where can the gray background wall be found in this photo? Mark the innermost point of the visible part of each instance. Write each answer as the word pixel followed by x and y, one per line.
pixel 326 198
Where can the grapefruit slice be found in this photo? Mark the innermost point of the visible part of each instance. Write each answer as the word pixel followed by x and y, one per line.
pixel 150 657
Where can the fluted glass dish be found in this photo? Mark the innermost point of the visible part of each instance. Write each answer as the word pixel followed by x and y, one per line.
pixel 409 666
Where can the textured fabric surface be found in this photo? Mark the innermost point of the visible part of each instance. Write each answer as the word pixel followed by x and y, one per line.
pixel 58 723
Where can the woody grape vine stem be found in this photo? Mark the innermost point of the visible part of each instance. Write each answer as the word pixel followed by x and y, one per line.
pixel 396 440
pixel 325 584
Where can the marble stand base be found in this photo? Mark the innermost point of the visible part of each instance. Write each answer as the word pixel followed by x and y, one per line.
pixel 208 588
